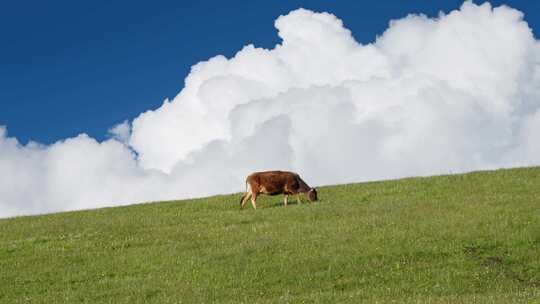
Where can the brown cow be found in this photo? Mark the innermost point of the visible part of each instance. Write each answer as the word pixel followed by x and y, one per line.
pixel 274 183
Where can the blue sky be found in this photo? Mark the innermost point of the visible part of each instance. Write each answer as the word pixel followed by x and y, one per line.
pixel 70 67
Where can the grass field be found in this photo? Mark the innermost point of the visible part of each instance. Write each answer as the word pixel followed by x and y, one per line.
pixel 472 238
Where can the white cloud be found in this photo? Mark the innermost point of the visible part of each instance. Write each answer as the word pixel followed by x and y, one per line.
pixel 121 132
pixel 457 93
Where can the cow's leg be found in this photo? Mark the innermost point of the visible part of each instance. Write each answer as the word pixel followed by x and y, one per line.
pixel 298 198
pixel 285 199
pixel 254 200
pixel 242 199
pixel 245 199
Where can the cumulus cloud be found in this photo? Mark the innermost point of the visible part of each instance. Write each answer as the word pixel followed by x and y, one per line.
pixel 121 132
pixel 456 93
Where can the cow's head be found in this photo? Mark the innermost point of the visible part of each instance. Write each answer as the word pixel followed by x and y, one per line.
pixel 312 195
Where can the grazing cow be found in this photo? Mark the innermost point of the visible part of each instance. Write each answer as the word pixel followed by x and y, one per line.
pixel 274 183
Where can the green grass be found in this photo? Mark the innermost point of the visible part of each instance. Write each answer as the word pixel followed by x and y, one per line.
pixel 472 238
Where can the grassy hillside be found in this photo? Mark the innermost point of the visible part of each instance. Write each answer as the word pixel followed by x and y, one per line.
pixel 448 239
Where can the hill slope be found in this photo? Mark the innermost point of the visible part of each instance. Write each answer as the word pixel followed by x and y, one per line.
pixel 459 238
